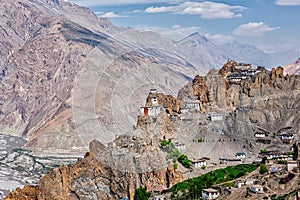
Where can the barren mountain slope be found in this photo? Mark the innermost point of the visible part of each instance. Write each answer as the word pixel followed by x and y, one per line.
pixel 51 58
pixel 293 68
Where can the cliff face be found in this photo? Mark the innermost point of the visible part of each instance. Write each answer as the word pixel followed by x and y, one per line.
pixel 267 101
pixel 112 173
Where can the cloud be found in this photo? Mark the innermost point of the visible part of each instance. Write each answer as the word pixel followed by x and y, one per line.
pixel 206 10
pixel 254 29
pixel 113 15
pixel 176 32
pixel 288 2
pixel 91 3
pixel 219 38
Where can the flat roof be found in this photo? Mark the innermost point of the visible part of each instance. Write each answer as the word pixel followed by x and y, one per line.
pixel 210 190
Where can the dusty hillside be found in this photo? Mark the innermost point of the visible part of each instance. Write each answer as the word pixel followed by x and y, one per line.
pixel 63 75
pixel 293 68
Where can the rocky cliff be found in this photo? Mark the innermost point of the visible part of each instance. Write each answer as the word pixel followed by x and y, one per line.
pixel 129 162
pixel 267 101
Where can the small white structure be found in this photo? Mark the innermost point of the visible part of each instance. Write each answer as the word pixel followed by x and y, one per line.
pixel 292 164
pixel 239 183
pixel 179 146
pixel 200 162
pixel 150 111
pixel 154 101
pixel 240 155
pixel 243 66
pixel 192 105
pixel 271 155
pixel 260 135
pixel 287 137
pixel 256 188
pixel 153 91
pixel 159 197
pixel 210 193
pixel 216 117
pixel 283 157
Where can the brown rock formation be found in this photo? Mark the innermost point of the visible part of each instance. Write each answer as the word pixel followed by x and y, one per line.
pixel 26 193
pixel 99 177
pixel 170 103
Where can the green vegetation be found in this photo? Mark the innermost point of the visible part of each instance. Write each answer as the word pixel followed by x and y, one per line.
pixel 141 194
pixel 263 160
pixel 191 188
pixel 295 151
pixel 263 169
pixel 184 160
pixel 263 151
pixel 165 143
pixel 203 166
pixel 174 153
pixel 228 184
pixel 201 140
pixel 175 166
pixel 283 162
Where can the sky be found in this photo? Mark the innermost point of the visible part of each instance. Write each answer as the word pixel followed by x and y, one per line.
pixel 271 25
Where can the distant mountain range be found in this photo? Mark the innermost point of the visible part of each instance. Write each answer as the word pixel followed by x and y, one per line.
pixel 198 49
pixel 293 68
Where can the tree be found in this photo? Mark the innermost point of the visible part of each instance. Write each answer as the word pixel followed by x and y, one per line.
pixel 141 194
pixel 295 151
pixel 184 160
pixel 263 161
pixel 263 169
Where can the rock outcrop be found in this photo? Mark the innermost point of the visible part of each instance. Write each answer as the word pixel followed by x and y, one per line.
pixel 131 161
pixel 267 101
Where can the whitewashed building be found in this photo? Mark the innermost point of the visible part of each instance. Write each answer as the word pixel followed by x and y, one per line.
pixel 200 162
pixel 240 155
pixel 154 101
pixel 192 106
pixel 153 91
pixel 159 197
pixel 256 188
pixel 210 193
pixel 260 135
pixel 292 164
pixel 179 146
pixel 150 111
pixel 216 117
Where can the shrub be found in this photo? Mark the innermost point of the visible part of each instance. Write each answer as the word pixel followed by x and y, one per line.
pixel 141 194
pixel 263 151
pixel 263 169
pixel 295 151
pixel 184 160
pixel 263 160
pixel 175 166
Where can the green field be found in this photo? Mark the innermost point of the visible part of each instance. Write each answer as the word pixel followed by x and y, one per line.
pixel 191 188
